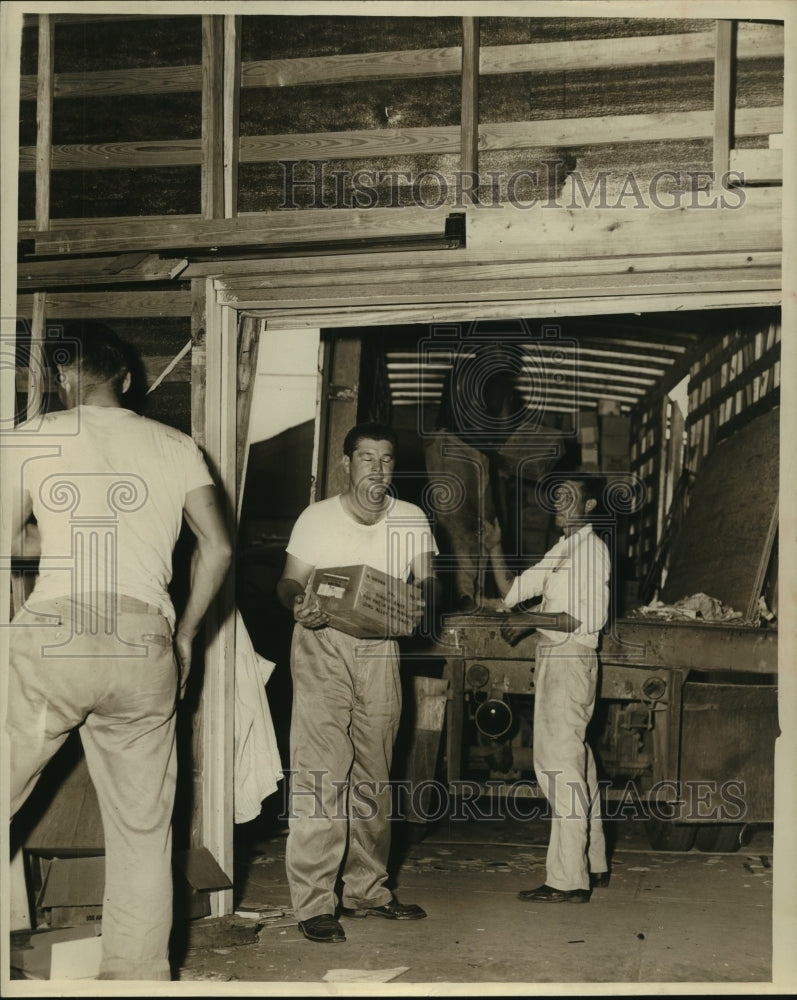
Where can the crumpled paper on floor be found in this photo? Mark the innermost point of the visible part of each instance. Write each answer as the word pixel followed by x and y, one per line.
pixel 696 606
pixel 364 975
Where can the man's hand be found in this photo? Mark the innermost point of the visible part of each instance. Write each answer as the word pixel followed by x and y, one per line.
pixel 514 633
pixel 307 611
pixel 491 534
pixel 183 644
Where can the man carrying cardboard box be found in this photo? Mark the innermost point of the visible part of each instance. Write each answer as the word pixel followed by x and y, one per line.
pixel 347 694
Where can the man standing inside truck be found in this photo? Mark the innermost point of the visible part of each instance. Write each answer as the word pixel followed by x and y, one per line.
pixel 347 694
pixel 95 645
pixel 573 581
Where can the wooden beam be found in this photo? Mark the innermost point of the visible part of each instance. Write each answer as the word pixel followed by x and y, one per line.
pixel 723 99
pixel 212 147
pixel 298 317
pixel 756 41
pixel 261 229
pixel 230 111
pixel 367 143
pixel 469 155
pixel 359 269
pixel 44 144
pixel 214 731
pixel 107 305
pixel 562 287
pixel 44 120
pixel 251 330
pixel 753 225
pixel 132 267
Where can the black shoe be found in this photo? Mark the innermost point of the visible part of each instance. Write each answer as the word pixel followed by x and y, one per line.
pixel 547 894
pixel 599 880
pixel 322 928
pixel 392 910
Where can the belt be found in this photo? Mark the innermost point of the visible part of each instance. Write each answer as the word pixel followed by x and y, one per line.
pixel 122 602
pixel 133 605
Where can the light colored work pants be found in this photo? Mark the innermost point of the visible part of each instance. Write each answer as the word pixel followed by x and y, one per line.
pixel 346 706
pixel 124 706
pixel 565 685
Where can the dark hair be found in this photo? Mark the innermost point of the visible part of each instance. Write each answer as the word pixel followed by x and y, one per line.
pixel 95 348
pixel 592 485
pixel 374 431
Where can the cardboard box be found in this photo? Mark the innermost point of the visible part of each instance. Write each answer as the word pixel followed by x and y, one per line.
pixel 589 456
pixel 615 428
pixel 364 602
pixel 65 953
pixel 72 891
pixel 73 888
pixel 587 427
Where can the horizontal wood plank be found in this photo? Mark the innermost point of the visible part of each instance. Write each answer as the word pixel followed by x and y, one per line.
pixel 562 233
pixel 371 143
pixel 538 233
pixel 755 41
pixel 100 271
pixel 258 229
pixel 431 266
pixel 109 305
pixel 562 287
pixel 344 315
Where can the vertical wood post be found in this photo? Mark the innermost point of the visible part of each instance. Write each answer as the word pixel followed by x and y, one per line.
pixel 470 95
pixel 44 144
pixel 251 329
pixel 212 116
pixel 230 111
pixel 723 99
pixel 338 411
pixel 215 742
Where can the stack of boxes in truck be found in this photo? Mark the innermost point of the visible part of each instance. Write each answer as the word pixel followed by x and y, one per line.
pixel 604 438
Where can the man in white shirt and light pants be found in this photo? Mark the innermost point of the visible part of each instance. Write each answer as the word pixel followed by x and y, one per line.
pixel 573 581
pixel 97 645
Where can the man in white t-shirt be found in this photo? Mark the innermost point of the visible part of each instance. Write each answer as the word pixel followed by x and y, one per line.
pixel 347 694
pixel 95 645
pixel 573 581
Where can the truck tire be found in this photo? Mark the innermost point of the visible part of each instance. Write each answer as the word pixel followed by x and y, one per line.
pixel 723 838
pixel 666 835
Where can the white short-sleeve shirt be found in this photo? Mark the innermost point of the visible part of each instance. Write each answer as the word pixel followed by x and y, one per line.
pixel 108 489
pixel 325 536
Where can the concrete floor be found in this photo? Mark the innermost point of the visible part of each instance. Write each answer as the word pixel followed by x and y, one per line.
pixel 665 918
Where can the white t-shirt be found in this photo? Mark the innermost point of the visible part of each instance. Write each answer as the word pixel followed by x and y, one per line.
pixel 573 576
pixel 108 488
pixel 325 536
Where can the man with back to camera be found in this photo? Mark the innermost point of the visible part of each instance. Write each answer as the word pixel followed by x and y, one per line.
pixel 95 644
pixel 573 580
pixel 347 693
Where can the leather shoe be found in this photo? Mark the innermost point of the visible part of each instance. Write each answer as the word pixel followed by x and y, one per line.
pixel 599 880
pixel 392 911
pixel 547 894
pixel 322 928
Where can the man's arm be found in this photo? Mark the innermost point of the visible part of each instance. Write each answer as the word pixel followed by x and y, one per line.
pixel 291 593
pixel 491 540
pixel 518 624
pixel 21 512
pixel 209 564
pixel 425 578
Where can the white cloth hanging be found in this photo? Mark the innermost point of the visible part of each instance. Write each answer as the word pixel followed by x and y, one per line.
pixel 257 766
